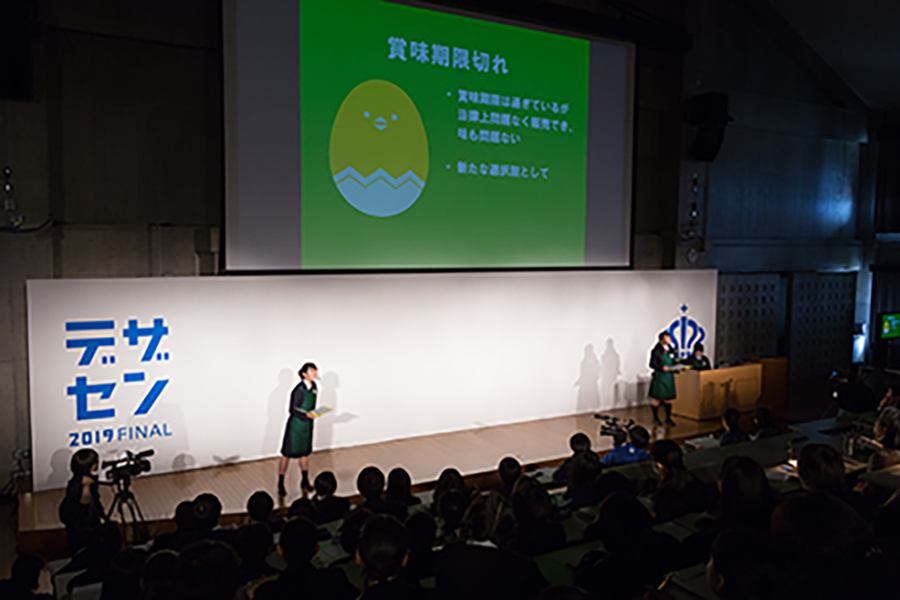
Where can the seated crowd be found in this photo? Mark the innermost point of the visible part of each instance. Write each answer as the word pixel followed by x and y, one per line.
pixel 826 540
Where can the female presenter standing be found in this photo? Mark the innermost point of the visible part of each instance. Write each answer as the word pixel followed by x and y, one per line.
pixel 662 386
pixel 299 430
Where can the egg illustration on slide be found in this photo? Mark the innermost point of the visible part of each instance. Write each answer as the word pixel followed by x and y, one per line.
pixel 379 150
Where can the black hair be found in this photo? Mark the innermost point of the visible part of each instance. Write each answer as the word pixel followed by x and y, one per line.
pixel 531 502
pixel 303 507
pixel 662 335
pixel 620 437
pixel 509 470
pixel 745 497
pixel 668 454
pixel 123 577
pixel 746 562
pixel 450 479
pixel 260 506
pixel 26 571
pixel 489 517
pixel 698 347
pixel 325 484
pixel 422 529
pixel 253 544
pixel 383 546
pixel 156 576
pixel 821 468
pixel 579 442
pixel 306 367
pixel 83 461
pixel 610 482
pixel 370 483
pixel 621 522
pixel 399 485
pixel 732 418
pixel 889 422
pixel 207 509
pixel 207 570
pixel 298 541
pixel 184 516
pixel 818 530
pixel 350 528
pixel 640 437
pixel 585 467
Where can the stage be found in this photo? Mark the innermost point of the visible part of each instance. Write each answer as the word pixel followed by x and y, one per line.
pixel 474 452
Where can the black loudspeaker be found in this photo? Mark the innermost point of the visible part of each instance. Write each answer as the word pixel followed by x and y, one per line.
pixel 709 114
pixel 18 27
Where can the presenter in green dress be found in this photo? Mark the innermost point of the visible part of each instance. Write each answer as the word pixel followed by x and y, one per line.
pixel 298 433
pixel 662 386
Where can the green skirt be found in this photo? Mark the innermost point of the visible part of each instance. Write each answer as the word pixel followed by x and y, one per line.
pixel 662 386
pixel 297 438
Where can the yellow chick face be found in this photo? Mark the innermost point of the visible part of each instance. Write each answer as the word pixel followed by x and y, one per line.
pixel 379 149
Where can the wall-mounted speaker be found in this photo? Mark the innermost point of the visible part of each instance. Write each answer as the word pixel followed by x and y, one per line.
pixel 709 114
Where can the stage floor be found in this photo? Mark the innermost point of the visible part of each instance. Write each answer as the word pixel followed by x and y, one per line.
pixel 473 452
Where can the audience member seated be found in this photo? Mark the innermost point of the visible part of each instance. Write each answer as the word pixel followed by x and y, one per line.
pixel 632 449
pixel 253 545
pixel 123 578
pixel 348 534
pixel 891 396
pixel 679 492
pixel 538 530
pixel 478 567
pixel 399 488
pixel 303 508
pixel 854 397
pixel 23 581
pixel 449 479
pixel 329 507
pixel 383 549
pixel 633 557
pixel 585 469
pixel 609 482
pixel 422 530
pixel 826 549
pixel 207 570
pixel 743 566
pixel 81 510
pixel 207 509
pixel 370 483
pixel 766 426
pixel 509 471
pixel 298 546
pixel 821 469
pixel 746 501
pixel 887 433
pixel 578 443
pixel 105 544
pixel 451 510
pixel 186 530
pixel 156 578
pixel 731 421
pixel 260 506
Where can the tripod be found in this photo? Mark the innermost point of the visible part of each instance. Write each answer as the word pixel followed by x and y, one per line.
pixel 125 499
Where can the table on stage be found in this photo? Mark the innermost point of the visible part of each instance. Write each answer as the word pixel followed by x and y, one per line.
pixel 702 395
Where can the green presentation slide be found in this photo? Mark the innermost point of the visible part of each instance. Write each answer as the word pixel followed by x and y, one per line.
pixel 434 140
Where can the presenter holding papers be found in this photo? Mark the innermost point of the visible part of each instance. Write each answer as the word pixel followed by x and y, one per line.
pixel 298 433
pixel 662 386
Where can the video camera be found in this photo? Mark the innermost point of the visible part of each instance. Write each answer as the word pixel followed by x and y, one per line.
pixel 615 427
pixel 132 465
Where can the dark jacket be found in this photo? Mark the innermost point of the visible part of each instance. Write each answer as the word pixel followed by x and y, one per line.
pixel 332 508
pixel 308 582
pixel 468 572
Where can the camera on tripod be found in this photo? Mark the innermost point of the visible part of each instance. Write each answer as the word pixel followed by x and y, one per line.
pixel 615 427
pixel 132 465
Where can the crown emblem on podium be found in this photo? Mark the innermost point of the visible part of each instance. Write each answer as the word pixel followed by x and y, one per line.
pixel 686 331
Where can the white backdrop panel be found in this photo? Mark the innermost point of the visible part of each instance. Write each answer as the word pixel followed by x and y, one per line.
pixel 399 356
